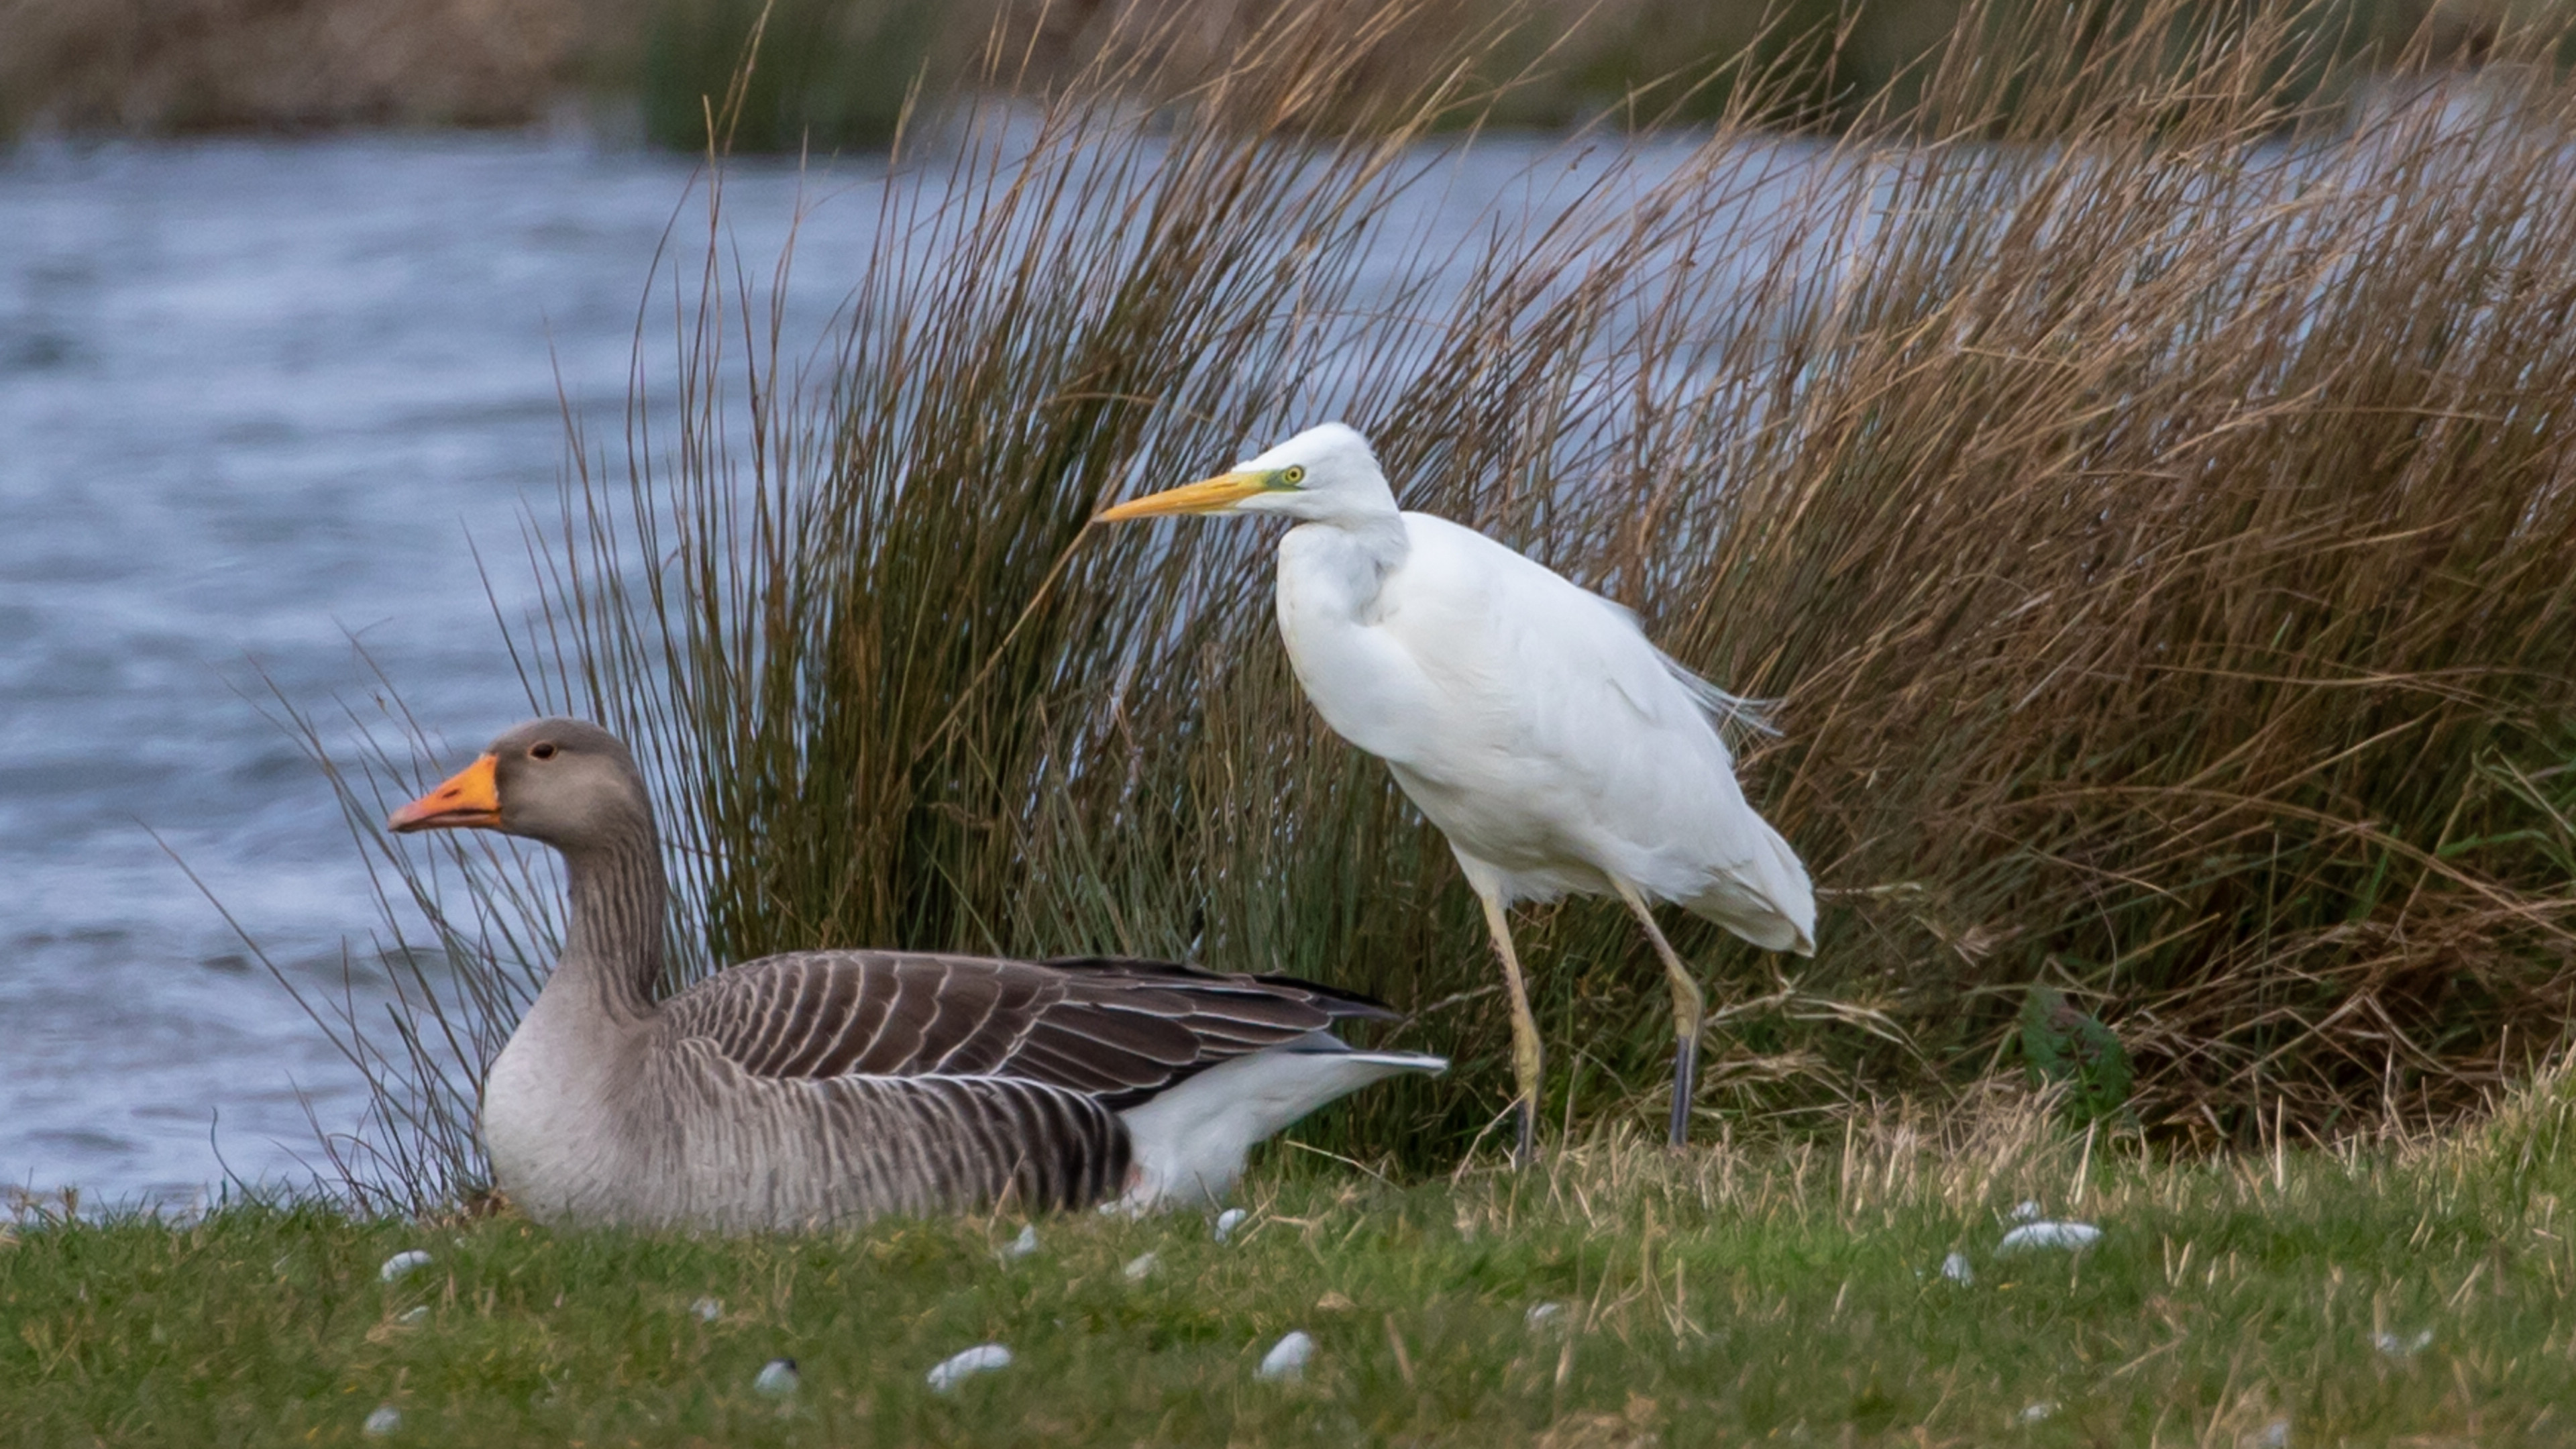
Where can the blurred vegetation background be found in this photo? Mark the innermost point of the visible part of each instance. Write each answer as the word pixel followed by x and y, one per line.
pixel 836 74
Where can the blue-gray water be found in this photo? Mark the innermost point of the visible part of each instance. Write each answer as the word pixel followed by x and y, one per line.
pixel 256 398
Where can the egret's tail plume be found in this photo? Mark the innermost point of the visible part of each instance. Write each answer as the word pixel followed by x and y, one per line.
pixel 1772 904
pixel 1725 708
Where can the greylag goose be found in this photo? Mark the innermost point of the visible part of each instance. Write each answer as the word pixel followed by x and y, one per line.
pixel 837 1086
pixel 1528 717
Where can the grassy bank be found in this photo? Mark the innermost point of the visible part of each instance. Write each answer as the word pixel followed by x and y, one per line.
pixel 2415 1293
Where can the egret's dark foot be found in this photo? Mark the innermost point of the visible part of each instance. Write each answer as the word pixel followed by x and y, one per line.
pixel 1685 1081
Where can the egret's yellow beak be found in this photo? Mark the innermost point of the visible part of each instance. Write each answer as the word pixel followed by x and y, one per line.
pixel 1214 495
pixel 470 797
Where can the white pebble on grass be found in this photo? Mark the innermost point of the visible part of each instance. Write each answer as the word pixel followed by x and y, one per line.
pixel 2401 1346
pixel 955 1369
pixel 1227 1222
pixel 1544 1316
pixel 1286 1361
pixel 708 1309
pixel 2029 1237
pixel 1137 1270
pixel 383 1421
pixel 2275 1435
pixel 408 1260
pixel 1023 1245
pixel 2033 1413
pixel 777 1378
pixel 1955 1268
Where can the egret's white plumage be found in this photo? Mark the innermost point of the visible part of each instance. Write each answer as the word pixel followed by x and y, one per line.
pixel 1529 718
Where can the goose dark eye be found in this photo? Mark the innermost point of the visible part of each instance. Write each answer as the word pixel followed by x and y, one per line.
pixel 543 750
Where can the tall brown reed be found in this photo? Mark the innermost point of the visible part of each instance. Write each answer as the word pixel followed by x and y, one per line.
pixel 2149 499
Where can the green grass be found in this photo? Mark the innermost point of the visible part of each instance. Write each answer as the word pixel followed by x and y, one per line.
pixel 1788 1290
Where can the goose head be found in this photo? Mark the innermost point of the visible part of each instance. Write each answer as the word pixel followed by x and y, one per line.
pixel 564 782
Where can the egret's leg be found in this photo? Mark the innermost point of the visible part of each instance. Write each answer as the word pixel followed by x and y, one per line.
pixel 1525 1049
pixel 1690 1010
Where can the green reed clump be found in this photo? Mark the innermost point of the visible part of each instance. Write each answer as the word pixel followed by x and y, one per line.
pixel 786 75
pixel 2148 497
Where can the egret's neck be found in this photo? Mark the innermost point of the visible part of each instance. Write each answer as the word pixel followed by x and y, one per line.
pixel 1357 550
pixel 613 949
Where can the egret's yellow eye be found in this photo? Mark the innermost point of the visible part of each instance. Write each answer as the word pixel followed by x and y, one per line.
pixel 1293 475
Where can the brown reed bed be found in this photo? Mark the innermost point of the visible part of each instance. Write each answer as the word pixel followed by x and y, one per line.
pixel 164 66
pixel 2147 493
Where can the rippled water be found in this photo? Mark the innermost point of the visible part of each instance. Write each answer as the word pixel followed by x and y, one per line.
pixel 255 399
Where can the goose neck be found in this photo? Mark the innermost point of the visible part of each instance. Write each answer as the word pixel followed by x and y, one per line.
pixel 613 943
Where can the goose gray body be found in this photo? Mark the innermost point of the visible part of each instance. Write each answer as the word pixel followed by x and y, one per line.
pixel 837 1086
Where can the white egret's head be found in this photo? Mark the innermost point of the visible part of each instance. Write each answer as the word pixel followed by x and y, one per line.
pixel 1322 475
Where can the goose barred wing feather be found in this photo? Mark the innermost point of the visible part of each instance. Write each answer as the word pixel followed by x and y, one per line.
pixel 934 1143
pixel 850 1148
pixel 1116 1030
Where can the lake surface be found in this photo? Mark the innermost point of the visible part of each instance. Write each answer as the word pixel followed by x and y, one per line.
pixel 258 403
pixel 255 400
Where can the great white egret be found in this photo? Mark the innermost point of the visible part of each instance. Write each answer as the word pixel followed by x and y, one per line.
pixel 1529 718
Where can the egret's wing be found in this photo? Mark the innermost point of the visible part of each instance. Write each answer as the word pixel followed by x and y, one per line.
pixel 1114 1029
pixel 1721 706
pixel 1557 734
pixel 1526 661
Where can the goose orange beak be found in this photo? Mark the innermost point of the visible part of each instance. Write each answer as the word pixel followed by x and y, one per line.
pixel 1214 495
pixel 471 797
